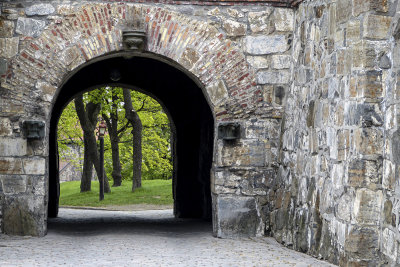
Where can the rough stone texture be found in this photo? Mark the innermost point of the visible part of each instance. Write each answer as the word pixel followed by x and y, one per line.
pixel 376 26
pixel 314 89
pixel 237 216
pixel 9 47
pixel 30 27
pixel 262 45
pixel 39 9
pixel 6 28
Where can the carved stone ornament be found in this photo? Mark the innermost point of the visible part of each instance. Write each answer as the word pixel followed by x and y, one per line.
pixel 134 40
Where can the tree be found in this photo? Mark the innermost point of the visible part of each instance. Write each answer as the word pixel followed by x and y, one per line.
pixel 133 118
pixel 88 121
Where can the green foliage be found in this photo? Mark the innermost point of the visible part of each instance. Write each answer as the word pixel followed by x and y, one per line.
pixel 70 135
pixel 157 161
pixel 155 192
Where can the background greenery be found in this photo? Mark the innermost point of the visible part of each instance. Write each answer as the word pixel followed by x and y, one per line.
pixel 155 192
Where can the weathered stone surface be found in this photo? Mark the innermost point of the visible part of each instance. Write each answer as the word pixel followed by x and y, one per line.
pixel 262 45
pixel 12 147
pixel 367 206
pixel 5 127
pixel 234 28
pixel 11 166
pixel 376 26
pixel 6 28
pixel 235 13
pixel 279 62
pixel 217 92
pixel 343 10
pixel 384 62
pixel 261 21
pixel 245 153
pixel 258 62
pixel 35 166
pixel 39 9
pixel 47 89
pixel 13 184
pixel 9 47
pixel 353 31
pixel 344 209
pixel 273 77
pixel 30 27
pixel 283 19
pixel 362 242
pixel 3 66
pixel 237 216
pixel 23 216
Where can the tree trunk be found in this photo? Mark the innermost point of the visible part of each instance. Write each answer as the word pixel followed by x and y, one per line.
pixel 134 120
pixel 87 171
pixel 88 121
pixel 112 125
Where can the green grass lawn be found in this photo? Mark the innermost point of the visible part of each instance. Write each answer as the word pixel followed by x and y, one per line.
pixel 155 192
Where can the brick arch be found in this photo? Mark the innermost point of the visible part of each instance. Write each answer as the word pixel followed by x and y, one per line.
pixel 89 31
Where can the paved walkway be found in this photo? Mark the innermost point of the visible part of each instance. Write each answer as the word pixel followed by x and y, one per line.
pixel 140 238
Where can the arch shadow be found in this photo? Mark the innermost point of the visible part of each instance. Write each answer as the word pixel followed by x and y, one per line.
pixel 188 109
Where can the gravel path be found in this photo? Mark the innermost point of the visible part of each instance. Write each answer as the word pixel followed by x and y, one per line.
pixel 141 238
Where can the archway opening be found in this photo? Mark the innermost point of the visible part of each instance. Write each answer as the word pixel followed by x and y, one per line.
pixel 188 109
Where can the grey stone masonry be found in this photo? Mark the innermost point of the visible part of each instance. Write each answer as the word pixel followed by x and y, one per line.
pixel 313 86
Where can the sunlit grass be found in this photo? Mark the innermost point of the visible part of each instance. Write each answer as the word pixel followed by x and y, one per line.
pixel 155 192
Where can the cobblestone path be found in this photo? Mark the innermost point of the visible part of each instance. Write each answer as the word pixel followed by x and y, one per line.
pixel 141 238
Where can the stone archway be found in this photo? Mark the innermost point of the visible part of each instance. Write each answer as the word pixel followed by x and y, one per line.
pixel 193 124
pixel 83 34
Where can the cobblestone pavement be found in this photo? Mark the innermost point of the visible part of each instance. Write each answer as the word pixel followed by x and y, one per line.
pixel 141 238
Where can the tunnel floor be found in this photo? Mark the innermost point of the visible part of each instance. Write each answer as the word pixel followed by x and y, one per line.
pixel 141 238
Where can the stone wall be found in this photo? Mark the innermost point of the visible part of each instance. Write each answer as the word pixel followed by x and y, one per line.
pixel 336 184
pixel 314 90
pixel 239 54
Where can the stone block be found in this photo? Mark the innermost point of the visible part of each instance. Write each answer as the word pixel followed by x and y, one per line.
pixel 371 84
pixel 362 242
pixel 3 66
pixel 6 28
pixel 36 166
pixel 255 129
pixel 273 77
pixel 30 27
pixel 258 62
pixel 364 54
pixel 24 215
pixel 369 141
pixel 12 147
pixel 47 90
pixel 353 31
pixel 36 185
pixel 344 208
pixel 244 153
pixel 361 6
pixel 9 47
pixel 376 26
pixel 13 184
pixel 237 217
pixel 217 92
pixel 189 58
pixel 234 28
pixel 389 175
pixel 261 21
pixel 5 127
pixel 39 9
pixel 343 10
pixel 279 62
pixel 266 44
pixel 11 166
pixel 367 206
pixel 389 244
pixel 365 173
pixel 284 19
